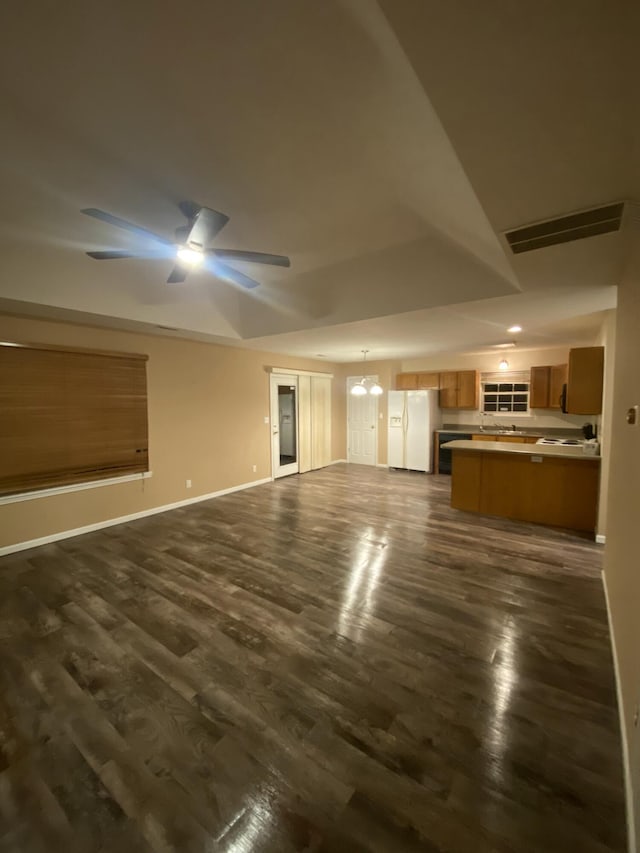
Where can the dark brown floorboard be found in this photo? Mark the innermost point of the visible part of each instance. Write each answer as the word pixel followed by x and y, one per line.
pixel 332 662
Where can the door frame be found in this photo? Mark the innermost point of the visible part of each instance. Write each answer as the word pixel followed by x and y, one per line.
pixel 278 470
pixel 353 380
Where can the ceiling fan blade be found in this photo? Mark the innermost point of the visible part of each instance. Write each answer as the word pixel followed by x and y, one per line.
pixel 178 274
pixel 206 224
pixel 122 223
pixel 113 255
pixel 190 208
pixel 251 257
pixel 221 270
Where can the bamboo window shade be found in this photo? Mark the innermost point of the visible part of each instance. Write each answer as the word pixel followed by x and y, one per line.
pixel 70 416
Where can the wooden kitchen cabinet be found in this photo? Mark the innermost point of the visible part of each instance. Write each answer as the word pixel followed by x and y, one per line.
pixel 468 389
pixel 539 382
pixel 585 380
pixel 554 490
pixel 545 386
pixel 428 381
pixel 459 389
pixel 406 381
pixel 417 381
pixel 558 378
pixel 449 390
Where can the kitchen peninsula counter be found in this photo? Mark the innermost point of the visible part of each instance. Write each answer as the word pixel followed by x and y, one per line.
pixel 546 484
pixel 564 450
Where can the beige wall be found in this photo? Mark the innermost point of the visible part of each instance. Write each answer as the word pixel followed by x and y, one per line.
pixel 622 561
pixel 607 339
pixel 518 360
pixel 207 405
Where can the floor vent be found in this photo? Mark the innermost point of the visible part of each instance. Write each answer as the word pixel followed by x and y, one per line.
pixel 565 229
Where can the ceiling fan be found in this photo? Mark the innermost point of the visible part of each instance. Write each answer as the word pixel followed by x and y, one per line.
pixel 189 249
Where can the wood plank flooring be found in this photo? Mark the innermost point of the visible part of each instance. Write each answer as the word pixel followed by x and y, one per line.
pixel 332 662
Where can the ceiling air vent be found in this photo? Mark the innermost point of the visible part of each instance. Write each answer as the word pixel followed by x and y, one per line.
pixel 565 229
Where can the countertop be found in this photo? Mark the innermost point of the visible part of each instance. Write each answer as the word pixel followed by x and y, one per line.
pixel 565 451
pixel 525 433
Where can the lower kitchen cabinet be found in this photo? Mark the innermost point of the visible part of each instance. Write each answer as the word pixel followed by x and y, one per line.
pixel 553 490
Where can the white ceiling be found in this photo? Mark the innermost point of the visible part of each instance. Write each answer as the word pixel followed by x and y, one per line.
pixel 383 147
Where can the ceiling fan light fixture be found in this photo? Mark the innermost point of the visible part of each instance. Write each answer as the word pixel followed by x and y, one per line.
pixel 191 257
pixel 358 390
pixel 504 364
pixel 376 389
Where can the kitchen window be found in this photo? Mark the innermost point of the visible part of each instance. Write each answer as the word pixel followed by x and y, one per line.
pixel 505 394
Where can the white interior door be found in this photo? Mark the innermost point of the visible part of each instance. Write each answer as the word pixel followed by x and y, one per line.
pixel 362 425
pixel 284 425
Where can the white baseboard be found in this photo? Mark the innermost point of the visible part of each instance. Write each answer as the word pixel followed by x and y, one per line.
pixel 111 522
pixel 382 465
pixel 601 539
pixel 628 788
pixel 73 487
pixel 337 461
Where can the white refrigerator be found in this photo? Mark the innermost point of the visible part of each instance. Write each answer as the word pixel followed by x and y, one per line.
pixel 413 417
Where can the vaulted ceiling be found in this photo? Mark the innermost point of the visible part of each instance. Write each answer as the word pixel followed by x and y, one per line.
pixel 385 147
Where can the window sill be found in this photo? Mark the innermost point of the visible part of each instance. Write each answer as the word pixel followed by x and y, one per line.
pixel 73 487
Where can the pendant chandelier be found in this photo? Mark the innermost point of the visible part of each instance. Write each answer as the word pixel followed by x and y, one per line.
pixel 366 386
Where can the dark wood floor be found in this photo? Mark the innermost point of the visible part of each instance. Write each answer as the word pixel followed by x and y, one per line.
pixel 333 662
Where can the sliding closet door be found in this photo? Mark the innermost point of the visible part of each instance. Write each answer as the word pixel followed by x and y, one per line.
pixel 313 422
pixel 304 423
pixel 320 421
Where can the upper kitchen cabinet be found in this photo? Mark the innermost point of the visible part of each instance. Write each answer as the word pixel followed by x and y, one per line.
pixel 406 381
pixel 428 381
pixel 459 389
pixel 545 387
pixel 557 379
pixel 417 381
pixel 584 382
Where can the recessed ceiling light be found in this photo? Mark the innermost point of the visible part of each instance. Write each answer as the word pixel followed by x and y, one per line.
pixel 513 329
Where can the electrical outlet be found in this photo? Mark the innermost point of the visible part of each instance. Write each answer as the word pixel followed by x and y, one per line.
pixel 188 484
pixel 254 468
pixel 266 419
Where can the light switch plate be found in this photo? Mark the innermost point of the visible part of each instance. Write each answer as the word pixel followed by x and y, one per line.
pixel 632 416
